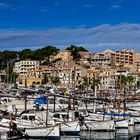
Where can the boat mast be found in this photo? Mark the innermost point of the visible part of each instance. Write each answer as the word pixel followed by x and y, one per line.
pixel 95 96
pixel 7 74
pixel 25 99
pixel 119 102
pixel 54 103
pixel 47 111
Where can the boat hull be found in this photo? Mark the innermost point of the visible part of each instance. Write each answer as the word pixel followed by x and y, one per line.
pixel 98 126
pixel 97 117
pixel 137 120
pixel 70 128
pixel 121 123
pixel 43 132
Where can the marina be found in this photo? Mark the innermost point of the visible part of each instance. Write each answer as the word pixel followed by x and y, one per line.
pixel 55 116
pixel 69 70
pixel 51 100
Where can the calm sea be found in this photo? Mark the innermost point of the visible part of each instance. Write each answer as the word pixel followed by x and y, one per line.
pixel 120 134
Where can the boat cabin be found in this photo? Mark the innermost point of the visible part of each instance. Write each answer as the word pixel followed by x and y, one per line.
pixel 62 116
pixel 29 118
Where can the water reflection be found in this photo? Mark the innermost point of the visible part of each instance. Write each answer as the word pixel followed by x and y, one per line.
pixel 70 138
pixel 120 134
pixel 97 135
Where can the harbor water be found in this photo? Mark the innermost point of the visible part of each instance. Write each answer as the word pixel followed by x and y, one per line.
pixel 133 133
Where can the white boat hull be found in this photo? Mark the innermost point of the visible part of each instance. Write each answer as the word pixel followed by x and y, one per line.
pixel 4 128
pixel 98 125
pixel 121 123
pixel 97 117
pixel 136 119
pixel 70 128
pixel 46 132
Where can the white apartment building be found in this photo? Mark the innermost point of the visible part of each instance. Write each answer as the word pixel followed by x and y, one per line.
pixel 107 77
pixel 23 67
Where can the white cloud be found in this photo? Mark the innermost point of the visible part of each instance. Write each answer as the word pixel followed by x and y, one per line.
pixel 44 9
pixel 96 38
pixel 6 6
pixel 57 4
pixel 88 5
pixel 116 7
pixel 111 44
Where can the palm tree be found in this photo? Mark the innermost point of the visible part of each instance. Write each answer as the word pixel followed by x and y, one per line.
pixel 125 80
pixel 121 81
pixel 130 81
pixel 96 82
pixel 55 80
pixel 86 83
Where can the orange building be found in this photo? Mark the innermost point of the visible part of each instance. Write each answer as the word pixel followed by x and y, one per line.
pixel 126 57
pixel 90 74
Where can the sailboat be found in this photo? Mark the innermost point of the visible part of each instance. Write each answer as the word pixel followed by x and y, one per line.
pixel 100 125
pixel 32 127
pixel 69 125
pixel 50 132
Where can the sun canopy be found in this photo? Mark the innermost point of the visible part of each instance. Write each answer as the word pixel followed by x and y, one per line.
pixel 41 100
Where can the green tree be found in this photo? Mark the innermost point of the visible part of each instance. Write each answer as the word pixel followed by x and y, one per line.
pixel 121 82
pixel 44 53
pixel 74 51
pixel 11 78
pixel 38 55
pixel 130 81
pixel 86 82
pixel 7 57
pixel 25 54
pixel 45 79
pixel 55 80
pixel 96 82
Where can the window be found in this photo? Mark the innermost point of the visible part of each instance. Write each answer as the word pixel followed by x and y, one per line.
pixel 76 114
pixel 24 117
pixel 32 118
pixel 56 116
pixel 65 116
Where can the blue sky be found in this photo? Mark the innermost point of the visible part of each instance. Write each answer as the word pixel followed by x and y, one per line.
pixel 94 24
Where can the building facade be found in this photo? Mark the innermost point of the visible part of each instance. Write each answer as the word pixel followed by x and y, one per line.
pixel 22 67
pixel 104 58
pixel 126 57
pixel 62 55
